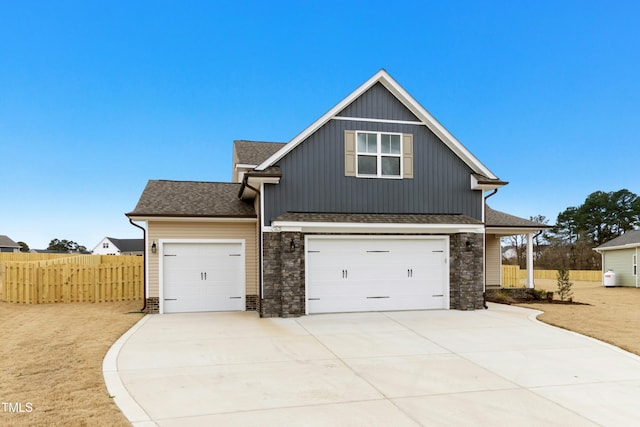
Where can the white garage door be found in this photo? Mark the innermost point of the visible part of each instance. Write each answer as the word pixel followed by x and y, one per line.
pixel 375 274
pixel 203 277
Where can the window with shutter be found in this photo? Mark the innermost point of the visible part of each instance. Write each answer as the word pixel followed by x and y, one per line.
pixel 378 154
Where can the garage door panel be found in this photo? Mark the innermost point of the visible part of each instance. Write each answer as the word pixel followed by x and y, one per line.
pixel 376 274
pixel 203 277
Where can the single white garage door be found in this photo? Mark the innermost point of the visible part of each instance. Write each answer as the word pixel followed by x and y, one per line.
pixel 376 274
pixel 203 277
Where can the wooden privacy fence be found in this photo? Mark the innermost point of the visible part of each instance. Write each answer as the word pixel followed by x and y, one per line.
pixel 35 283
pixel 513 276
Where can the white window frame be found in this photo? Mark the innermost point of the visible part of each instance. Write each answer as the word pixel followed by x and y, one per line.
pixel 379 155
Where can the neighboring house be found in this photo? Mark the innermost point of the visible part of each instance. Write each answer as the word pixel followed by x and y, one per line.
pixel 621 255
pixel 374 206
pixel 8 245
pixel 113 246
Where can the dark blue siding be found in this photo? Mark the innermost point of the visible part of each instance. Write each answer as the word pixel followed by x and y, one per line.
pixel 313 178
pixel 378 103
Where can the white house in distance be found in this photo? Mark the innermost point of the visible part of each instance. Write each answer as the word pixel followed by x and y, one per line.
pixel 113 246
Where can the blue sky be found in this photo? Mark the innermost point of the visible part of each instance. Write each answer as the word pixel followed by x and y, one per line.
pixel 98 97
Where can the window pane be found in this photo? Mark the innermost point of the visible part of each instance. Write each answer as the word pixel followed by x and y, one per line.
pixel 372 143
pixel 395 144
pixel 385 143
pixel 367 143
pixel 367 165
pixel 362 142
pixel 391 166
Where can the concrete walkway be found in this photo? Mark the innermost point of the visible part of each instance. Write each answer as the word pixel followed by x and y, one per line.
pixel 497 367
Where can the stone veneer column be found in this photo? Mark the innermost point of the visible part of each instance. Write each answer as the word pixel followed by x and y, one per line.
pixel 271 276
pixel 466 271
pixel 283 275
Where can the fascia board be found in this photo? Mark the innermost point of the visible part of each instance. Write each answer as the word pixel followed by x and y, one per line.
pixel 510 231
pixel 148 219
pixel 436 127
pixel 320 122
pixel 425 117
pixel 343 227
pixel 613 248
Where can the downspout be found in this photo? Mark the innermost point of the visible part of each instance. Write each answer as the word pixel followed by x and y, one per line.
pixel 259 302
pixel 484 238
pixel 144 265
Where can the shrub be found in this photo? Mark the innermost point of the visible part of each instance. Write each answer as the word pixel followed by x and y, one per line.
pixel 537 294
pixel 564 284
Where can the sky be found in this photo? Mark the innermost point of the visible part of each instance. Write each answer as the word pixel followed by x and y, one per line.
pixel 96 98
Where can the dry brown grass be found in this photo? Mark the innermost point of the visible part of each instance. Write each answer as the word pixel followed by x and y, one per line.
pixel 613 314
pixel 51 356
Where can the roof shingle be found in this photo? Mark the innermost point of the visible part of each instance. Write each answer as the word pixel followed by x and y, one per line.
pixel 192 199
pixel 495 218
pixel 255 152
pixel 629 238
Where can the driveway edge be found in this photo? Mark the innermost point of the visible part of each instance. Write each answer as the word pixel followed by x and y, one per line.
pixel 127 404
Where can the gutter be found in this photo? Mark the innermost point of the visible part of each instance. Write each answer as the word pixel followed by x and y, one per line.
pixel 245 183
pixel 144 265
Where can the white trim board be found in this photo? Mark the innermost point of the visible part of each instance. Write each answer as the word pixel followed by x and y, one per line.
pixel 352 227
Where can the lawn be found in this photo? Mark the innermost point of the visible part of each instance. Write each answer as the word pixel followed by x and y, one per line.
pixel 51 362
pixel 51 355
pixel 612 314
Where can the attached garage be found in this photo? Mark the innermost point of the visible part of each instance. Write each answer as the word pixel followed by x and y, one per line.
pixel 363 273
pixel 202 276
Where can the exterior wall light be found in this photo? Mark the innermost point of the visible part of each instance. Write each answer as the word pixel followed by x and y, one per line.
pixel 154 247
pixel 292 246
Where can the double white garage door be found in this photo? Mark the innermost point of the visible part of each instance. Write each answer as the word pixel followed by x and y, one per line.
pixel 374 274
pixel 203 277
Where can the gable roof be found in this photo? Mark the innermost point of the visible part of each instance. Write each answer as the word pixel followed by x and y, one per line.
pixel 418 110
pixel 6 242
pixel 191 199
pixel 252 153
pixel 128 245
pixel 629 239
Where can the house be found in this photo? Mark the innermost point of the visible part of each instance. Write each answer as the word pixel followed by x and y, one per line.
pixel 374 206
pixel 113 246
pixel 621 255
pixel 8 245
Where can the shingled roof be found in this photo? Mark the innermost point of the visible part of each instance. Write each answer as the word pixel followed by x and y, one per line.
pixel 495 218
pixel 6 242
pixel 191 199
pixel 255 152
pixel 128 245
pixel 630 238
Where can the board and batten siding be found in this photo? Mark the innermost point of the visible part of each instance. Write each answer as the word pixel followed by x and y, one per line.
pixel 158 230
pixel 621 262
pixel 493 261
pixel 378 103
pixel 313 178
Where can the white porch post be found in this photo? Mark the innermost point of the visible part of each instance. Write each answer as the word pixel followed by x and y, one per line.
pixel 530 283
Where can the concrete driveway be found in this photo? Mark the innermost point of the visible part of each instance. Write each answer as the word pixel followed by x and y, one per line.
pixel 491 367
